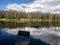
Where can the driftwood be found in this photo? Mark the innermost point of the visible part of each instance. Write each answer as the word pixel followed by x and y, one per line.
pixel 24 33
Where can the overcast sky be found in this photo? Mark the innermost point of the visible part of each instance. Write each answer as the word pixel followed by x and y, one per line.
pixel 31 5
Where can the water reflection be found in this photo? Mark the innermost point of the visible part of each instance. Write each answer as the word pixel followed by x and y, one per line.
pixel 29 24
pixel 10 37
pixel 49 35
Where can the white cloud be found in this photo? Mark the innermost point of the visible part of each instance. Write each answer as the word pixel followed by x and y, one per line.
pixel 56 9
pixel 26 7
pixel 37 5
pixel 51 0
pixel 14 7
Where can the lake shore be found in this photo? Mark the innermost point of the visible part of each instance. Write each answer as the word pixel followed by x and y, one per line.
pixel 25 20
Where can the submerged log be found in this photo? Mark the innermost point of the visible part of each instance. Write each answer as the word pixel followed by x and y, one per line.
pixel 24 33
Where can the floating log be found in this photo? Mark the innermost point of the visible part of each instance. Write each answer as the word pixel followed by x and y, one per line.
pixel 24 33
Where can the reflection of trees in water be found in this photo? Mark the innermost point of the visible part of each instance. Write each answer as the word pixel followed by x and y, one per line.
pixel 30 24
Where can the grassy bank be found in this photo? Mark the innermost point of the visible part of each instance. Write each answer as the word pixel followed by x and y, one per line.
pixel 24 20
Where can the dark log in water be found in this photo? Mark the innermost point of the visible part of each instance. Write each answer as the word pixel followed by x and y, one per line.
pixel 24 33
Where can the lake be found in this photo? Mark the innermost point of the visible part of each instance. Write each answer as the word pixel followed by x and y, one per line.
pixel 48 33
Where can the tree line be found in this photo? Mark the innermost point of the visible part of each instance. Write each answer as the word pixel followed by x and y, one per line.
pixel 31 15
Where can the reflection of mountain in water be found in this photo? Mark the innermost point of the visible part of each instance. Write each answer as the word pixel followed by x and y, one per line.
pixel 50 35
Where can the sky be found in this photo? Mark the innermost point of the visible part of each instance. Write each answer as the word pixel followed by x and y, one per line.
pixel 31 5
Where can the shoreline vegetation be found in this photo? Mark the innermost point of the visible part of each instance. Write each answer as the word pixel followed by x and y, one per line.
pixel 26 20
pixel 23 19
pixel 14 16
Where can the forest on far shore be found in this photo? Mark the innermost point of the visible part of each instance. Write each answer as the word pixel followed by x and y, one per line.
pixel 32 15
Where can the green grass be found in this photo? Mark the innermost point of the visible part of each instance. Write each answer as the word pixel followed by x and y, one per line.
pixel 25 20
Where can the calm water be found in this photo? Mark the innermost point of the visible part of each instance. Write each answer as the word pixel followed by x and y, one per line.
pixel 46 34
pixel 29 24
pixel 43 36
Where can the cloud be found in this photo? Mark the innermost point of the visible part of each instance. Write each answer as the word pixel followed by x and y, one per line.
pixel 36 5
pixel 50 0
pixel 56 8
